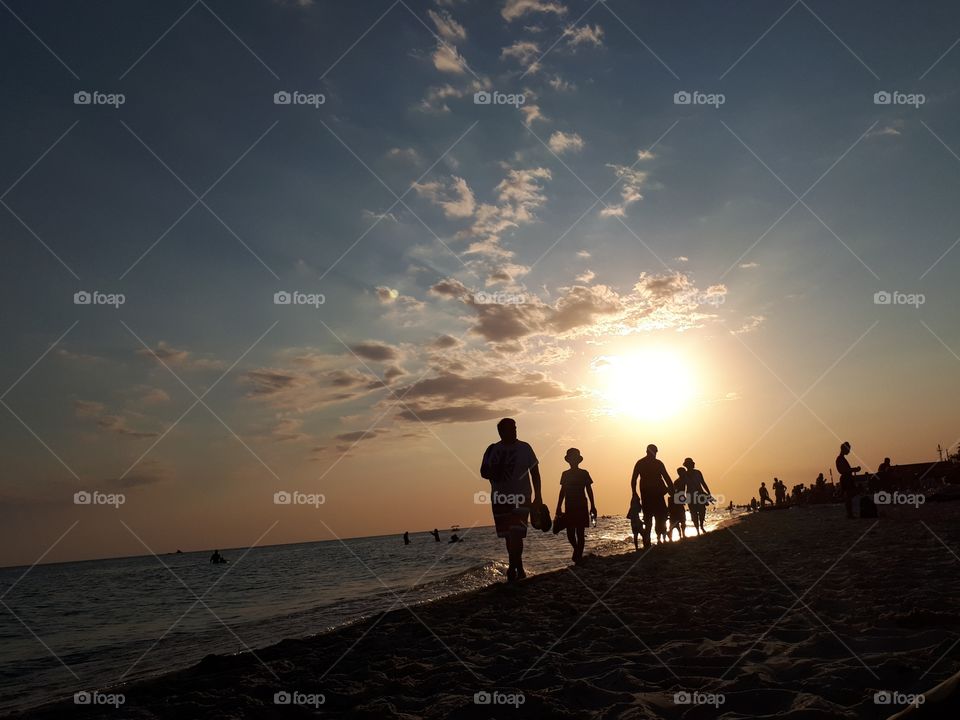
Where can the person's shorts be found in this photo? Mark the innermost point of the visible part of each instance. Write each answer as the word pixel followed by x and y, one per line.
pixel 511 520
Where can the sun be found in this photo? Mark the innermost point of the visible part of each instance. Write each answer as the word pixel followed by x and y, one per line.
pixel 650 384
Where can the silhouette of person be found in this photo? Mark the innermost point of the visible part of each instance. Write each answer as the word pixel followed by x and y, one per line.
pixel 884 466
pixel 636 522
pixel 217 558
pixel 654 484
pixel 698 495
pixel 511 467
pixel 764 495
pixel 406 538
pixel 753 504
pixel 455 539
pixel 436 534
pixel 848 486
pixel 677 509
pixel 575 489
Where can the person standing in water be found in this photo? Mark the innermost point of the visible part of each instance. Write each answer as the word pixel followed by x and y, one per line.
pixel 698 495
pixel 764 496
pixel 512 468
pixel 654 484
pixel 436 534
pixel 848 486
pixel 677 511
pixel 406 538
pixel 575 490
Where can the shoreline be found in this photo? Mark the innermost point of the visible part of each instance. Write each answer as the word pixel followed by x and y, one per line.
pixel 713 614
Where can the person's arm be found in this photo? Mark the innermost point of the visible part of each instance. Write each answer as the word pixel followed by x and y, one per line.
pixel 633 479
pixel 665 476
pixel 485 470
pixel 535 478
pixel 560 501
pixel 703 482
pixel 593 505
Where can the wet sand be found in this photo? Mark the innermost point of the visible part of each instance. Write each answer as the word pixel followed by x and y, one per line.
pixel 790 614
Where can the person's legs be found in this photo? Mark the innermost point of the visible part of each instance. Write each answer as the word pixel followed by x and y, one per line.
pixel 647 525
pixel 572 539
pixel 581 541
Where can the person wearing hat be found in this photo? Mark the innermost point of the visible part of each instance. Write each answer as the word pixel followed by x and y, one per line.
pixel 848 486
pixel 511 467
pixel 698 495
pixel 575 489
pixel 655 482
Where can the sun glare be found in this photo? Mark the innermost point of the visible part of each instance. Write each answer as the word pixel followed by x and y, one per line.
pixel 652 384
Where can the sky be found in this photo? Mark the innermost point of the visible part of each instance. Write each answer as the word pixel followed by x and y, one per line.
pixel 729 230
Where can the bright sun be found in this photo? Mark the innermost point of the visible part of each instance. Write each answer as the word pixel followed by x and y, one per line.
pixel 651 384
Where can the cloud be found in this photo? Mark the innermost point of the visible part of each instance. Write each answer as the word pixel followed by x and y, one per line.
pixel 531 113
pixel 447 59
pixel 168 355
pixel 456 199
pixel 525 52
pixel 437 96
pixel 447 28
pixel 154 396
pixel 507 274
pixel 514 9
pixel 586 276
pixel 585 254
pixel 751 324
pixel 884 131
pixel 561 85
pixel 269 381
pixel 106 421
pixel 748 265
pixel 561 142
pixel 475 412
pixel 77 357
pixel 375 351
pixel 584 35
pixel 445 342
pixel 407 154
pixel 666 301
pixel 631 180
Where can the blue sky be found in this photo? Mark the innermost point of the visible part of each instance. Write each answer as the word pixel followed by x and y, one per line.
pixel 389 388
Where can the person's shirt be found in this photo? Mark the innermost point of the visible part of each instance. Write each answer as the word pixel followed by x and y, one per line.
pixel 653 475
pixel 843 467
pixel 574 483
pixel 764 493
pixel 507 466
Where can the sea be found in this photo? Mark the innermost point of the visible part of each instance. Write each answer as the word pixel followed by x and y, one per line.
pixel 99 624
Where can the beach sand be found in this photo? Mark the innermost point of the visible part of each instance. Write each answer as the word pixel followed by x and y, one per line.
pixel 798 613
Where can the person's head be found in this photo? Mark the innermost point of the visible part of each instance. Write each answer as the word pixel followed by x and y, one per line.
pixel 573 457
pixel 887 460
pixel 845 448
pixel 681 472
pixel 507 429
pixel 689 464
pixel 763 484
pixel 651 450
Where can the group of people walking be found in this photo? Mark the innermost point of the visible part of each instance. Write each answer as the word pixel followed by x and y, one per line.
pixel 512 468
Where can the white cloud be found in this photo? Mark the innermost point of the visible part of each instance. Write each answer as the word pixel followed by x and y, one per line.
pixel 586 276
pixel 447 28
pixel 447 59
pixel 456 199
pixel 584 35
pixel 525 52
pixel 408 154
pixel 561 142
pixel 532 113
pixel 751 324
pixel 561 85
pixel 514 9
pixel 749 265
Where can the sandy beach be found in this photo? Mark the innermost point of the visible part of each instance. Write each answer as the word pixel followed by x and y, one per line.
pixel 787 614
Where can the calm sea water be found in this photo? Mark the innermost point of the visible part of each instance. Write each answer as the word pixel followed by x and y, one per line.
pixel 104 622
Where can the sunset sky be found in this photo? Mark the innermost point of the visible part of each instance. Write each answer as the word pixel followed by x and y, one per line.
pixel 606 265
